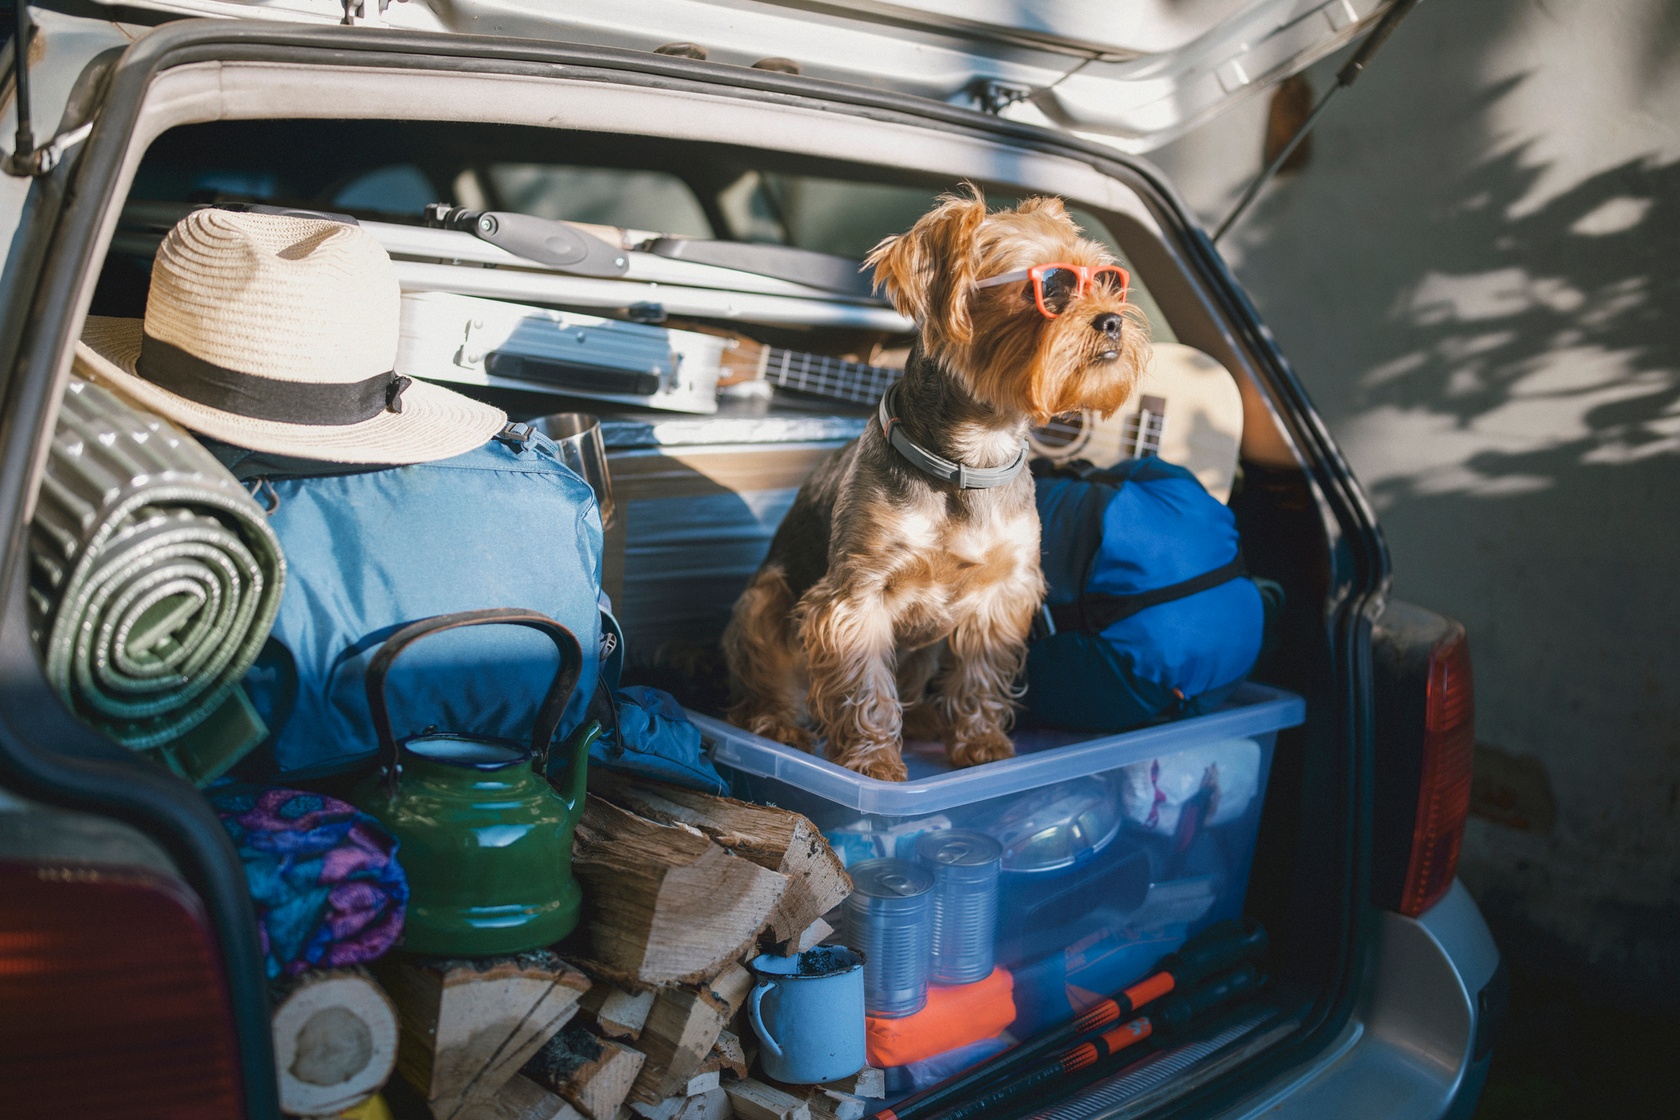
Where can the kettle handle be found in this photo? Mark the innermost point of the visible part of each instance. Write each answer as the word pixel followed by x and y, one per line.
pixel 553 705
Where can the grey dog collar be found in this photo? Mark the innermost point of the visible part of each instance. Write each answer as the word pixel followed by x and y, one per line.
pixel 966 478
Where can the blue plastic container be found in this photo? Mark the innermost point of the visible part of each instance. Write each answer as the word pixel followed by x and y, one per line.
pixel 1115 848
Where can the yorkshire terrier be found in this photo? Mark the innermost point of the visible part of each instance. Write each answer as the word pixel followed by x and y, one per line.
pixel 898 592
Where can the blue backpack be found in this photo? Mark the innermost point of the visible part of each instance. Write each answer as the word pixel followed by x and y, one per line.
pixel 1149 611
pixel 369 551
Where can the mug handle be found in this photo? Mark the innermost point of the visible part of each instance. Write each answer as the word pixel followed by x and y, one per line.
pixel 757 1018
pixel 548 715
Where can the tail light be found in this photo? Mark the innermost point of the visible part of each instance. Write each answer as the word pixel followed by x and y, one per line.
pixel 1443 801
pixel 111 998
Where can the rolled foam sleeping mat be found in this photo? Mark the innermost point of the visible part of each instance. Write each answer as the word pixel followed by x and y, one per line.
pixel 154 577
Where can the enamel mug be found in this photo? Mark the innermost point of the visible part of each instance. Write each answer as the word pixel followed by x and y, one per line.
pixel 808 1012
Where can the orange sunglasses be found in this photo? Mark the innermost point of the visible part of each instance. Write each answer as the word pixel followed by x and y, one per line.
pixel 1056 285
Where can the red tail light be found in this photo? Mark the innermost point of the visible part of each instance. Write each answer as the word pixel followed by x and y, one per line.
pixel 1444 794
pixel 111 998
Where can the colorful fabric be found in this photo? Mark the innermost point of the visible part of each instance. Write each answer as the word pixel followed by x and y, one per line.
pixel 325 878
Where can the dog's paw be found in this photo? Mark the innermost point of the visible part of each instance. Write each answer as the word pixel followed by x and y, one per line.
pixel 795 736
pixel 989 746
pixel 884 763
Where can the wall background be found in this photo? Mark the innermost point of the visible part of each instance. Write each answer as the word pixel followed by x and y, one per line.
pixel 1477 276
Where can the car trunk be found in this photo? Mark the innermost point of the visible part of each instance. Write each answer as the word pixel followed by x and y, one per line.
pixel 380 123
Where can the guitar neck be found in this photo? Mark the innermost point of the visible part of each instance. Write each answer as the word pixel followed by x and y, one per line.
pixel 835 378
pixel 828 377
pixel 1144 430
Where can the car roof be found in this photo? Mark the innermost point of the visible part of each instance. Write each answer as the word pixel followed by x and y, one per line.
pixel 1133 75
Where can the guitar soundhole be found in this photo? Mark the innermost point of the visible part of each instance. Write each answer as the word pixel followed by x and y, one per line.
pixel 1062 435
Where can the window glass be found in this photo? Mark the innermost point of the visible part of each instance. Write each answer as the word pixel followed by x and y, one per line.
pixel 237 184
pixel 399 189
pixel 649 200
pixel 850 218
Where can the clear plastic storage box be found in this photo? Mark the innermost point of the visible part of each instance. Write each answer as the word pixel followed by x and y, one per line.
pixel 1113 849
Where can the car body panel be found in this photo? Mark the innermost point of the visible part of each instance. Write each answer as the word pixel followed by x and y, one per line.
pixel 1415 974
pixel 1408 1052
pixel 1134 79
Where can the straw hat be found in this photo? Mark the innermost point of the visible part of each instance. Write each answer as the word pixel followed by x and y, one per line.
pixel 279 333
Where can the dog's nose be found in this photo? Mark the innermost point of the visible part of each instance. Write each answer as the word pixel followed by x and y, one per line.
pixel 1108 323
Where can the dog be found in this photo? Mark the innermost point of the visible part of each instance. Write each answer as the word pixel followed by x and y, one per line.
pixel 898 592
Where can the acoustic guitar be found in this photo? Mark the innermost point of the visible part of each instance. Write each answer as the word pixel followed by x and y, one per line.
pixel 1187 409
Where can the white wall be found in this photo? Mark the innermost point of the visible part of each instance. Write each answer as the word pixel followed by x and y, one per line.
pixel 1478 279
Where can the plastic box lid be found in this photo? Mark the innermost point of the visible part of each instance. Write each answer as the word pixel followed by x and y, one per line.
pixel 1253 710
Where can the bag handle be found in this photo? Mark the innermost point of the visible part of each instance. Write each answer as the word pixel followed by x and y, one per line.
pixel 548 715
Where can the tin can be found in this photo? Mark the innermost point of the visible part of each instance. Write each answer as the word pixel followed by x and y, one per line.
pixel 889 919
pixel 965 867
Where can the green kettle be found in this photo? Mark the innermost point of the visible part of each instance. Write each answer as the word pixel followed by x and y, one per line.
pixel 485 835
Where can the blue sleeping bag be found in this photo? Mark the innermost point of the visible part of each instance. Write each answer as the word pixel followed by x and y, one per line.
pixel 1149 611
pixel 369 551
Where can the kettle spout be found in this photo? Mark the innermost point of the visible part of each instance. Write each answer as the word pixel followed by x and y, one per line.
pixel 572 782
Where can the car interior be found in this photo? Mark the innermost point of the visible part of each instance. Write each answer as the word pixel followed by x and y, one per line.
pixel 698 494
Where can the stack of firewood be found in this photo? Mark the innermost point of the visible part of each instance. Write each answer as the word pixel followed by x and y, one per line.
pixel 642 1019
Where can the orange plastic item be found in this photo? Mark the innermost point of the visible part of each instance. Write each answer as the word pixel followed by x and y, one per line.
pixel 955 1015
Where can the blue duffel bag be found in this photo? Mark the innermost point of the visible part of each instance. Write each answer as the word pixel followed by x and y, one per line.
pixel 1149 612
pixel 369 551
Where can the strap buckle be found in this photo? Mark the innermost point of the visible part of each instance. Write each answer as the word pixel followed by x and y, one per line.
pixel 1043 624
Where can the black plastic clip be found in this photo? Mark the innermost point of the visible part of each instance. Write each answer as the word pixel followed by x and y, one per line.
pixel 516 435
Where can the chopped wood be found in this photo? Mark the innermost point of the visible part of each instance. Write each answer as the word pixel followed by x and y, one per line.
pixel 679 1035
pixel 754 1100
pixel 729 989
pixel 808 938
pixel 666 1109
pixel 703 1082
pixel 593 1073
pixel 727 1057
pixel 467 1026
pixel 867 1082
pixel 618 1013
pixel 711 1105
pixel 662 902
pixel 335 1041
pixel 839 1106
pixel 828 1103
pixel 777 839
pixel 825 1108
pixel 519 1099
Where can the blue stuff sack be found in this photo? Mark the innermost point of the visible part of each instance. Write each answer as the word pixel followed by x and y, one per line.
pixel 645 732
pixel 654 739
pixel 1149 611
pixel 369 551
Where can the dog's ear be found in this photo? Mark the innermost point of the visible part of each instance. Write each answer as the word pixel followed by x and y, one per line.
pixel 929 272
pixel 1048 205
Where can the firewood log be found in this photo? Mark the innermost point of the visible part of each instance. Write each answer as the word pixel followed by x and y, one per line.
pixel 662 903
pixel 679 1035
pixel 754 1100
pixel 714 1104
pixel 618 1014
pixel 729 989
pixel 467 1026
pixel 809 938
pixel 777 839
pixel 335 1041
pixel 520 1099
pixel 867 1082
pixel 727 1058
pixel 593 1073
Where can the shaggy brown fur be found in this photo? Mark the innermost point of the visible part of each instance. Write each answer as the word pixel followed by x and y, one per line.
pixel 892 601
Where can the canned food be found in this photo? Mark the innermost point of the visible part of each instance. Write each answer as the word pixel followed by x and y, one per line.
pixel 889 919
pixel 965 867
